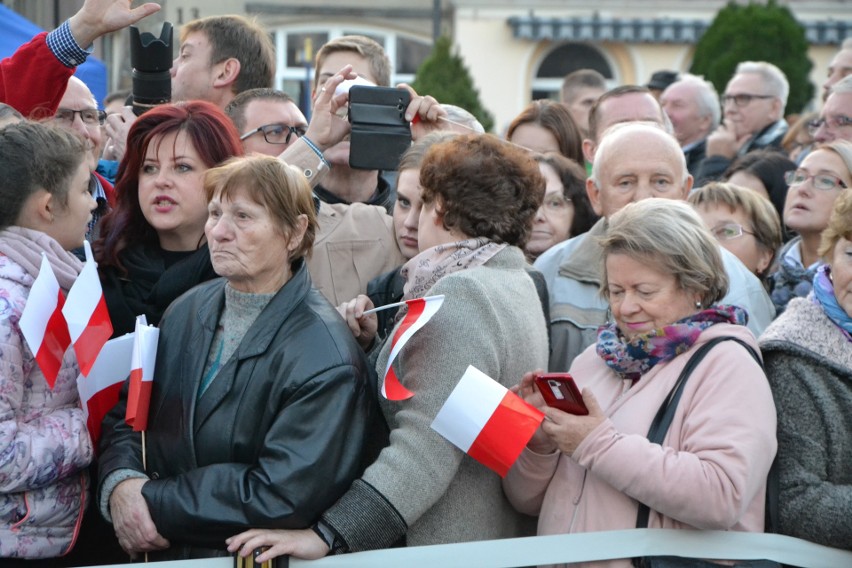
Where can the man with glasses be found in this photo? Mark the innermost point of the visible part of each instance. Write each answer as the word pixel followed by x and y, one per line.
pixel 79 113
pixel 268 120
pixel 753 106
pixel 354 242
pixel 835 119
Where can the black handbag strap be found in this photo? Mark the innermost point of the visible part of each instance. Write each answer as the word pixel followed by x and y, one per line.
pixel 666 413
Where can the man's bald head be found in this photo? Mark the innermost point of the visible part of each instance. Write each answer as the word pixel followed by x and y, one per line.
pixel 635 161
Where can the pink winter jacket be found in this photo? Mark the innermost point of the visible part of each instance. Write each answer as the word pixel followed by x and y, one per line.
pixel 44 445
pixel 710 472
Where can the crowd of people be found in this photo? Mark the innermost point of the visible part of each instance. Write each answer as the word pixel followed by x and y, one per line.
pixel 679 253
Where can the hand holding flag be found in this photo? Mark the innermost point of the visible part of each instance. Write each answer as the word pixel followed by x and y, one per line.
pixel 487 421
pixel 86 313
pixel 420 311
pixel 43 324
pixel 141 374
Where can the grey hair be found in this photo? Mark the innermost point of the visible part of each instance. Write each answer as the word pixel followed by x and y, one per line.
pixel 843 86
pixel 620 129
pixel 669 235
pixel 463 117
pixel 706 97
pixel 774 78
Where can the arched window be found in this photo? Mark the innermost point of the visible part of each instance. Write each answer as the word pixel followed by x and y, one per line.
pixel 564 59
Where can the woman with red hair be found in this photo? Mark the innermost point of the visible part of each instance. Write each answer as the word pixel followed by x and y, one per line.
pixel 152 247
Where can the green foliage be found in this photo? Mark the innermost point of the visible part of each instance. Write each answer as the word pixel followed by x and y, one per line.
pixel 756 32
pixel 444 76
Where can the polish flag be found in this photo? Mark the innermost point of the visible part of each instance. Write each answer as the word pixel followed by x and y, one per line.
pixel 87 315
pixel 487 421
pixel 420 311
pixel 99 391
pixel 141 374
pixel 43 324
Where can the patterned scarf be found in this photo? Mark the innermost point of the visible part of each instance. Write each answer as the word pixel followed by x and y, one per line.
pixel 425 269
pixel 788 282
pixel 633 358
pixel 824 297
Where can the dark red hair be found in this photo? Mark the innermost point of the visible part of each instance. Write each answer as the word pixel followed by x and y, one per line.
pixel 211 133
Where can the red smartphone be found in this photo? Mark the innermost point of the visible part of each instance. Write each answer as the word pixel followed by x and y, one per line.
pixel 560 391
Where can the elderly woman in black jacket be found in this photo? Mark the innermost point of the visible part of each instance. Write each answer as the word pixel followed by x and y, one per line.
pixel 261 406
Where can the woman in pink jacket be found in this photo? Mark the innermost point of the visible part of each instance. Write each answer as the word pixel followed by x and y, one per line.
pixel 44 445
pixel 662 275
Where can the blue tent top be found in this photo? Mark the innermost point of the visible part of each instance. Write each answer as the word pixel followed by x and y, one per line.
pixel 15 30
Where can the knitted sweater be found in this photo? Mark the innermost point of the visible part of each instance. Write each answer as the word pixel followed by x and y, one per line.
pixel 422 486
pixel 809 365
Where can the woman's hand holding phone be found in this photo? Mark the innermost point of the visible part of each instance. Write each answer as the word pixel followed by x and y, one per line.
pixel 567 431
pixel 526 389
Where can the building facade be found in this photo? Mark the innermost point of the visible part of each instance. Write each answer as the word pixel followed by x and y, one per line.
pixel 515 50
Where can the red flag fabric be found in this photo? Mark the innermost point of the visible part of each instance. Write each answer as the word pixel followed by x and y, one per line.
pixel 99 391
pixel 87 316
pixel 141 374
pixel 420 311
pixel 43 324
pixel 487 421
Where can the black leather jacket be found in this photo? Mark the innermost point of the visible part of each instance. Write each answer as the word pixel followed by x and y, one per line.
pixel 275 440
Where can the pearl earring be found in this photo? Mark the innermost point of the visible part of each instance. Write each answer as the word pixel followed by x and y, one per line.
pixel 698 304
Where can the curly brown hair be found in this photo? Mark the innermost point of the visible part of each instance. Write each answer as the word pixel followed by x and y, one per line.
pixel 483 187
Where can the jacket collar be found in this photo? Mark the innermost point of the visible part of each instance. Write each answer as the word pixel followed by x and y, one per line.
pixel 255 342
pixel 583 262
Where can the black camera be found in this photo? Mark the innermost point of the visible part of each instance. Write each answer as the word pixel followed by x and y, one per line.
pixel 151 58
pixel 380 134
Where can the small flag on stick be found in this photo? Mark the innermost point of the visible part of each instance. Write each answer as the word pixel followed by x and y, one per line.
pixel 43 324
pixel 141 374
pixel 487 421
pixel 99 391
pixel 420 311
pixel 86 313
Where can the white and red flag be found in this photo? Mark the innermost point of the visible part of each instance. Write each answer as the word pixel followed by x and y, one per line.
pixel 420 311
pixel 43 324
pixel 99 391
pixel 141 374
pixel 487 421
pixel 86 313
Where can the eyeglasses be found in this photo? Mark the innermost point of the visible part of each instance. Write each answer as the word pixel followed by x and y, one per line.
pixel 556 203
pixel 824 182
pixel 832 122
pixel 743 100
pixel 89 116
pixel 729 231
pixel 277 133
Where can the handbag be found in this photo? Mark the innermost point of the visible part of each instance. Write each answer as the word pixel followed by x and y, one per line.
pixel 656 433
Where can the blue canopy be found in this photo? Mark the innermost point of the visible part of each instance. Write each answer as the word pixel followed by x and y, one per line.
pixel 15 30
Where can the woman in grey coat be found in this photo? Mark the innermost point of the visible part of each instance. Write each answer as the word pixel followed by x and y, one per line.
pixel 808 357
pixel 479 198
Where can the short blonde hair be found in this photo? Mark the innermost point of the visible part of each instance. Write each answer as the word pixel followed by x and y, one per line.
pixel 839 225
pixel 669 235
pixel 367 48
pixel 760 212
pixel 268 181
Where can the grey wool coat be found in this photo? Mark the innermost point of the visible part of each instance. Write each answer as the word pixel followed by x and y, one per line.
pixel 809 365
pixel 421 485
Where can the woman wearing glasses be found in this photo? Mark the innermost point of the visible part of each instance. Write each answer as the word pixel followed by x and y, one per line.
pixel 743 221
pixel 152 247
pixel 566 211
pixel 814 186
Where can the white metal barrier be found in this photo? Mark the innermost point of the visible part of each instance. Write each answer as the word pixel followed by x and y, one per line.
pixel 508 553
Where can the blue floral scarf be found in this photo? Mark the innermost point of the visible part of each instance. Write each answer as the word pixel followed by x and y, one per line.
pixel 633 358
pixel 825 298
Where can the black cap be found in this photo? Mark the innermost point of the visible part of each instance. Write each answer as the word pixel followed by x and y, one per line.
pixel 662 79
